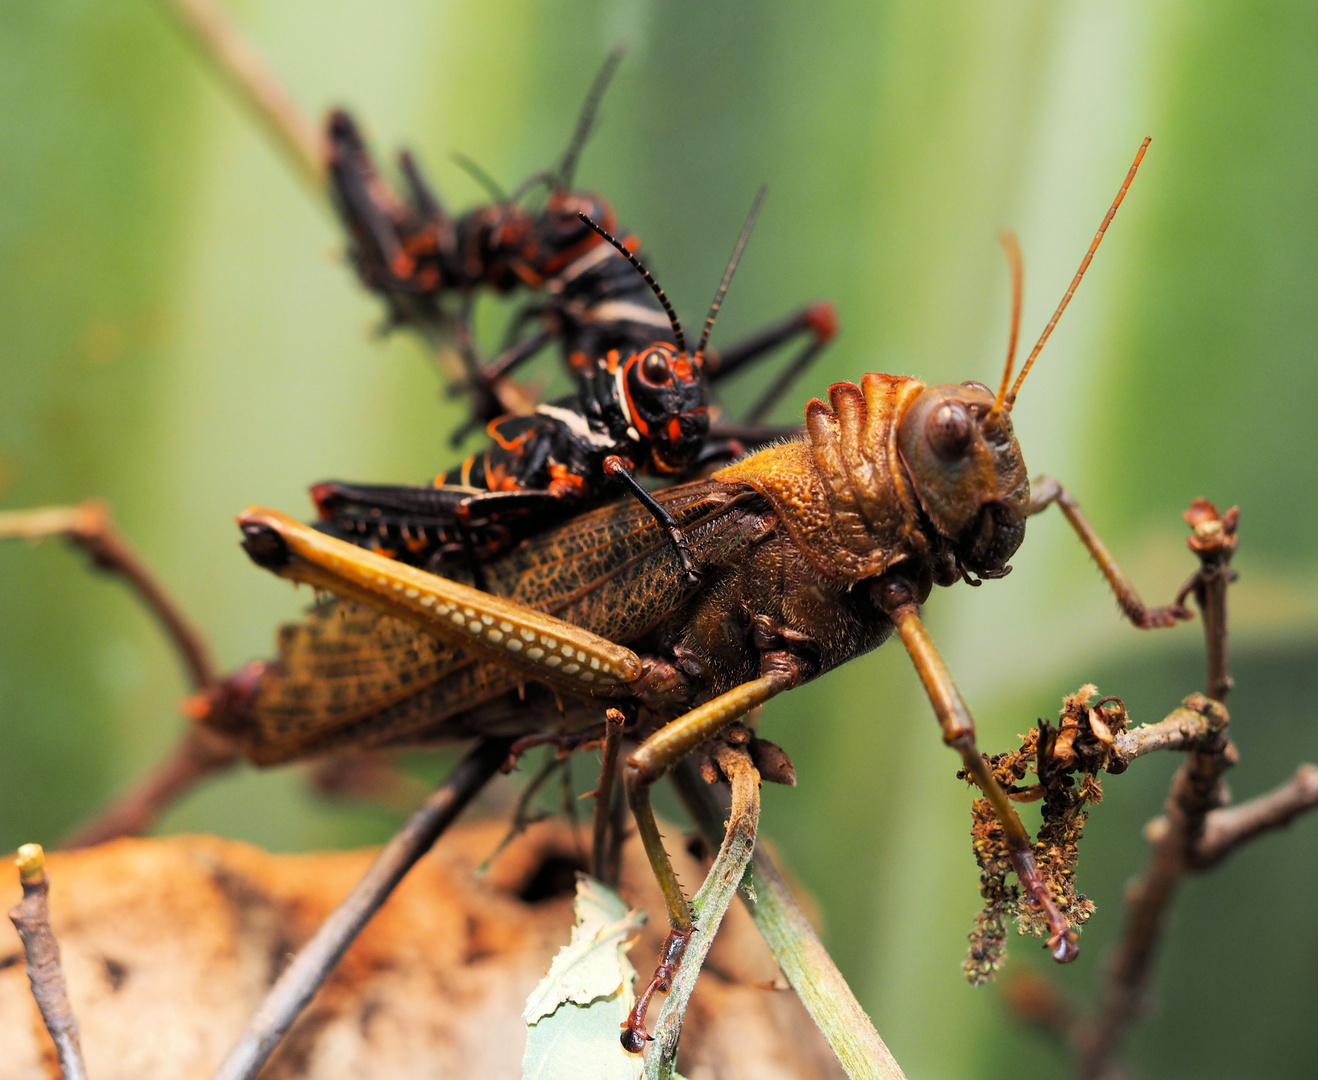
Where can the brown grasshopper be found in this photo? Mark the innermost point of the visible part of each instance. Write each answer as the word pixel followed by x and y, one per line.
pixel 811 552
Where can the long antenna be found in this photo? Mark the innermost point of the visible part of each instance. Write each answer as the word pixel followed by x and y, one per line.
pixel 472 169
pixel 586 118
pixel 626 253
pixel 732 266
pixel 1016 268
pixel 1010 399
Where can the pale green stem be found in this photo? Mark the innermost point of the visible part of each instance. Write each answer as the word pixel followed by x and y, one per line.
pixel 799 952
pixel 708 908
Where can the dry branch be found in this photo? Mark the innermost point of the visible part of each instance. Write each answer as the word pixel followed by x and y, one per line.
pixel 200 753
pixel 254 85
pixel 303 977
pixel 90 527
pixel 31 918
pixel 1227 829
pixel 1195 725
pixel 1196 790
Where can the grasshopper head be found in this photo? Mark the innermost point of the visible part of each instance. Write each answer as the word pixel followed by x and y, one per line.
pixel 967 471
pixel 665 398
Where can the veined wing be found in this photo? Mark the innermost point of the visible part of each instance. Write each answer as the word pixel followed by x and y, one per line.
pixel 341 664
pixel 614 572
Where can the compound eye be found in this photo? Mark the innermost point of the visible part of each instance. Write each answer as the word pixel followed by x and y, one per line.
pixel 949 429
pixel 654 368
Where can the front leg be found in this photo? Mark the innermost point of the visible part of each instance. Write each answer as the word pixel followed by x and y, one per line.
pixel 896 597
pixel 654 757
pixel 1045 491
pixel 619 469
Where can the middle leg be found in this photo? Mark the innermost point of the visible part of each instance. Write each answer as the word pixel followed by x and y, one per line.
pixel 652 759
pixel 896 597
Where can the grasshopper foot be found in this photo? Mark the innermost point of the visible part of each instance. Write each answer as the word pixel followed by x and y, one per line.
pixel 1162 618
pixel 634 1036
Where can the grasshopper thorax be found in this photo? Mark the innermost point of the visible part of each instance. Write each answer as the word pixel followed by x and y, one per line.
pixel 893 471
pixel 967 471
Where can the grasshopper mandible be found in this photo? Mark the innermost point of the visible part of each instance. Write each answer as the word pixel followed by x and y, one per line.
pixel 812 552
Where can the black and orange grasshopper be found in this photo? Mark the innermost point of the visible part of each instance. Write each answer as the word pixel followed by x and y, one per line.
pixel 419 259
pixel 812 553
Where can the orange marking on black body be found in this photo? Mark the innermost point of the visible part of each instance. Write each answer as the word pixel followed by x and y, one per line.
pixel 563 482
pixel 556 265
pixel 638 421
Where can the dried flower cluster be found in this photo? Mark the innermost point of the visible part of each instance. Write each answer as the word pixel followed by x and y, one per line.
pixel 1066 760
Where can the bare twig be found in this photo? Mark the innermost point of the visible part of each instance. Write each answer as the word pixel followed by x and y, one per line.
pixel 1226 830
pixel 710 904
pixel 1196 791
pixel 368 776
pixel 600 846
pixel 303 977
pixel 254 84
pixel 198 755
pixel 31 918
pixel 799 952
pixel 90 527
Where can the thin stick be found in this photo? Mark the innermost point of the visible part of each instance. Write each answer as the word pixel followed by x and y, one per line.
pixel 710 904
pixel 254 84
pixel 90 527
pixel 1226 830
pixel 799 952
pixel 199 755
pixel 1196 790
pixel 31 918
pixel 313 964
pixel 600 846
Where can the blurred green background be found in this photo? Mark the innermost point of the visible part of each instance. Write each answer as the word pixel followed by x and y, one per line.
pixel 179 335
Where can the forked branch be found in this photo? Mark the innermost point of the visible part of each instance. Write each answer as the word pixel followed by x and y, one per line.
pixel 1196 791
pixel 199 754
pixel 91 528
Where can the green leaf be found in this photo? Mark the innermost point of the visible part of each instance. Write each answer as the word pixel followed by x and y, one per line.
pixel 576 1012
